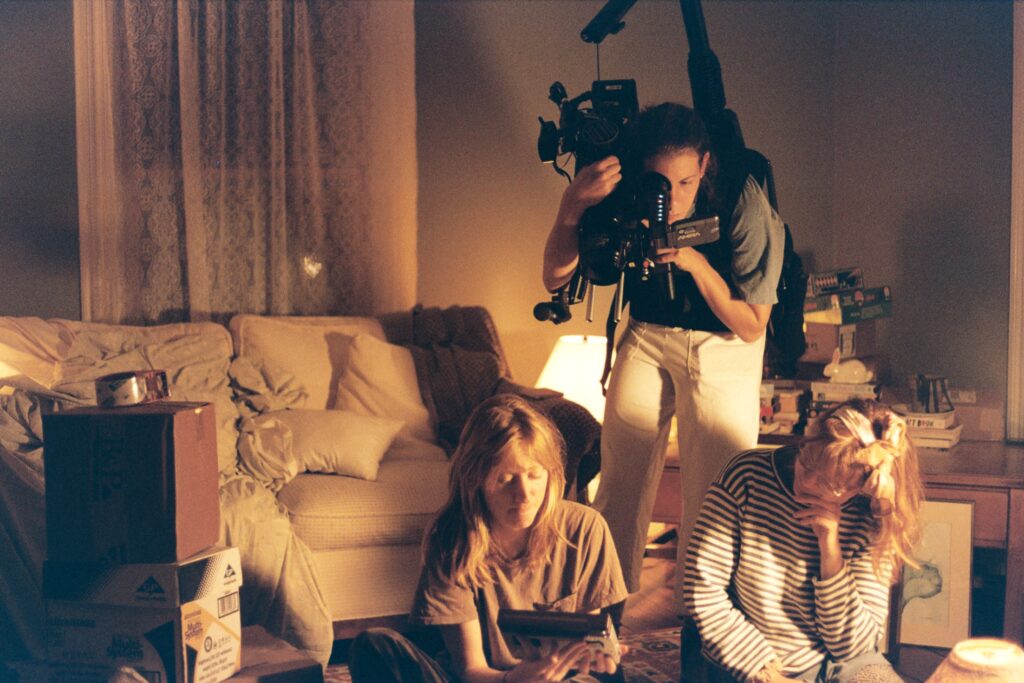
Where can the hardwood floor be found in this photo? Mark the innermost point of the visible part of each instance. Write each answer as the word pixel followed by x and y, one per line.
pixel 653 607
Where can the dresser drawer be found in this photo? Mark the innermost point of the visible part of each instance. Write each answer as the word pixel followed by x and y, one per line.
pixel 990 511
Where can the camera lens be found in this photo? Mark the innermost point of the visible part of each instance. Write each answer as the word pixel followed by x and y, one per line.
pixel 553 311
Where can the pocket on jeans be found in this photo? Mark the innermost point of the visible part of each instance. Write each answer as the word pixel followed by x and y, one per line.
pixel 729 356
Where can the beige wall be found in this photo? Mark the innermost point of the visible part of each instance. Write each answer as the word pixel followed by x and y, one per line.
pixel 38 208
pixel 888 125
pixel 922 176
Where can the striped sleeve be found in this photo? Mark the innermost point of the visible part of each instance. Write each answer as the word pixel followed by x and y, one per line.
pixel 851 607
pixel 713 552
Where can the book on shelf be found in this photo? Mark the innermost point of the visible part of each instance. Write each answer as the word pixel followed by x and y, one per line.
pixel 768 427
pixel 789 400
pixel 787 416
pixel 936 438
pixel 842 391
pixel 818 408
pixel 916 420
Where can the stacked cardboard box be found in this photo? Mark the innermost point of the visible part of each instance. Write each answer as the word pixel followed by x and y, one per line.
pixel 133 576
pixel 171 621
pixel 839 313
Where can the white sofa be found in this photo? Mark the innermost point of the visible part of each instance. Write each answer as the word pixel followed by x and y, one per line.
pixel 364 536
pixel 323 555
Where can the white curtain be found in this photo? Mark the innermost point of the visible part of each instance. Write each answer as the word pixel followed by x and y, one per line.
pixel 239 156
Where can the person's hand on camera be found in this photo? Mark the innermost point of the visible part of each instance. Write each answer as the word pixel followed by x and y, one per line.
pixel 593 183
pixel 687 258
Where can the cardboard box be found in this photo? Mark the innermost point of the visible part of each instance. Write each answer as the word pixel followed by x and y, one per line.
pixel 853 340
pixel 981 412
pixel 266 659
pixel 132 485
pixel 145 585
pixel 851 306
pixel 191 634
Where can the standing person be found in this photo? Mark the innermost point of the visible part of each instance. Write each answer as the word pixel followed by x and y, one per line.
pixel 789 567
pixel 698 356
pixel 504 539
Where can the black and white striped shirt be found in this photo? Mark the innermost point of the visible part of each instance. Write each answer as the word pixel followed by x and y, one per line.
pixel 751 577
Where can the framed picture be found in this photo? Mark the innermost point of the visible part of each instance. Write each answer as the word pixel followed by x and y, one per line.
pixel 935 600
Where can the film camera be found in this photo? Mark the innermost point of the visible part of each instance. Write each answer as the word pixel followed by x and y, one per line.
pixel 620 232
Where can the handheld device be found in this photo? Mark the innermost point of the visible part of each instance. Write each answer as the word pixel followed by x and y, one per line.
pixel 529 630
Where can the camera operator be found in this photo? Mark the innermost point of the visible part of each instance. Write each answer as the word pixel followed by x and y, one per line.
pixel 697 355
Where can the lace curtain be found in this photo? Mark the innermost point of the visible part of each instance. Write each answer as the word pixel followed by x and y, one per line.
pixel 239 156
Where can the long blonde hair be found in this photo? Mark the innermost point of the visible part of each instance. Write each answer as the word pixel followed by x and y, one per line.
pixel 458 545
pixel 863 444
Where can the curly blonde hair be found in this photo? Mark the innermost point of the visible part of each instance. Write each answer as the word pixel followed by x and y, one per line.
pixel 863 445
pixel 458 545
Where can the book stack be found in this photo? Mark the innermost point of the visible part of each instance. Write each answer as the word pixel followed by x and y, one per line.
pixel 931 430
pixel 827 395
pixel 783 408
pixel 767 426
pixel 839 312
pixel 790 413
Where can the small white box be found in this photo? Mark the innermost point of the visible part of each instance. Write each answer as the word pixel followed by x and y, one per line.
pixel 175 622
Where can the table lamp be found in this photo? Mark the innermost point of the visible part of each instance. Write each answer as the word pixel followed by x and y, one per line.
pixel 988 660
pixel 574 368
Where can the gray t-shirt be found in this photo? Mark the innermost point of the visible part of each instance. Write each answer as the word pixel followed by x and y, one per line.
pixel 758 242
pixel 582 575
pixel 748 256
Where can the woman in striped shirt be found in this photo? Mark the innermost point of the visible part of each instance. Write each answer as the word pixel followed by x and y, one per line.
pixel 789 567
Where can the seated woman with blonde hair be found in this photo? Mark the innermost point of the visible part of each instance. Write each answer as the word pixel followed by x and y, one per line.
pixel 504 539
pixel 789 569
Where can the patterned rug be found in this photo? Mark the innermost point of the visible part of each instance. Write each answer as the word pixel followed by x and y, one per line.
pixel 652 658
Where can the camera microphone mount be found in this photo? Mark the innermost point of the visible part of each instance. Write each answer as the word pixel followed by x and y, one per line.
pixel 607 21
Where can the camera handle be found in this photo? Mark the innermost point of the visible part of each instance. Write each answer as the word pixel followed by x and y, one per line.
pixel 571 293
pixel 656 204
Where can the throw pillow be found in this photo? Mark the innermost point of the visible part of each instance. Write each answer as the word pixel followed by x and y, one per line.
pixel 312 349
pixel 380 380
pixel 337 441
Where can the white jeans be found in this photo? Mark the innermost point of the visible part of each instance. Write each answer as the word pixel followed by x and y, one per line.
pixel 711 382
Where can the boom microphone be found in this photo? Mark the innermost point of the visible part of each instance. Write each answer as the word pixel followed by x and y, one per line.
pixel 607 20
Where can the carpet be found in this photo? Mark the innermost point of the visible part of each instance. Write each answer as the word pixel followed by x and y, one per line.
pixel 652 658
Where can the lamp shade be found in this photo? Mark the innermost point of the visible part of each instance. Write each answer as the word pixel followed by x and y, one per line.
pixel 574 368
pixel 981 659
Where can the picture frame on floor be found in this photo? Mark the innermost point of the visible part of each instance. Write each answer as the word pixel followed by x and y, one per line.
pixel 935 598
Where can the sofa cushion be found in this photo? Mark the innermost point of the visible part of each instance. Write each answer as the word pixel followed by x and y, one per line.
pixel 381 380
pixel 312 348
pixel 395 509
pixel 337 441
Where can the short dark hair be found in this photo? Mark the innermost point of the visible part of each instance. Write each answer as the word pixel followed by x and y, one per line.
pixel 667 127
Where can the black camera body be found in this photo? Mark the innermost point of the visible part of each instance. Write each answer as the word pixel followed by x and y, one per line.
pixel 619 232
